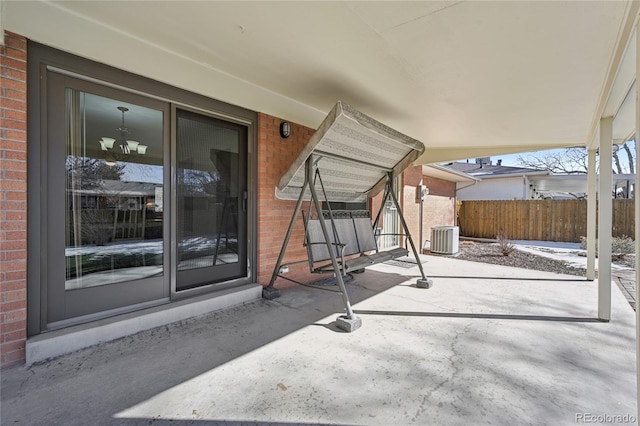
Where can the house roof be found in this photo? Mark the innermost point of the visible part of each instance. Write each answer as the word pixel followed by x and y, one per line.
pixel 485 171
pixel 468 79
pixel 446 173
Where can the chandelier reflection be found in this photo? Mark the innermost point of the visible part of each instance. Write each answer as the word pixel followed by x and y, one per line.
pixel 127 147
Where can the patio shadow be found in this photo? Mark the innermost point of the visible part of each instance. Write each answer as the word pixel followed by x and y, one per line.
pixel 478 316
pixel 482 277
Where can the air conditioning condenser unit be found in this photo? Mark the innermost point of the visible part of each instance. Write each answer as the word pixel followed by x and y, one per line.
pixel 445 239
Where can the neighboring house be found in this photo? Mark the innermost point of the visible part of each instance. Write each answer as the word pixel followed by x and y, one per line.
pixel 496 182
pixel 438 206
pixel 575 186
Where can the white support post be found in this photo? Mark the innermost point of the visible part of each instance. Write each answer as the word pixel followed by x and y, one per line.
pixel 637 219
pixel 591 215
pixel 605 219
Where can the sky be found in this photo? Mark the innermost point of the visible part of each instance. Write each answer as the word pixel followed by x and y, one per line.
pixel 512 159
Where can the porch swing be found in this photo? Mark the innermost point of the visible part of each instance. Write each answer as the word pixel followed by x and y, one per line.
pixel 349 158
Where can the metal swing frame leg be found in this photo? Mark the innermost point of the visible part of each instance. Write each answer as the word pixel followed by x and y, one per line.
pixel 422 282
pixel 349 322
pixel 270 292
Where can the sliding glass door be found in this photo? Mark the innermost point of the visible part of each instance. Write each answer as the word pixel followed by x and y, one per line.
pixel 142 202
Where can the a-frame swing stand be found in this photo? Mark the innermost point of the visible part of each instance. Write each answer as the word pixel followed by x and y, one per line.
pixel 349 321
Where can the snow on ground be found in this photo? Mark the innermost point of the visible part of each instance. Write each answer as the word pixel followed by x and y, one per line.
pixel 567 252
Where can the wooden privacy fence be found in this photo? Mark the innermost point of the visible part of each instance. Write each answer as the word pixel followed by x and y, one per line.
pixel 542 220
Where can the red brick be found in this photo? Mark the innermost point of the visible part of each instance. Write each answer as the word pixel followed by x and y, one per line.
pixel 20 314
pixel 14 336
pixel 14 255
pixel 14 74
pixel 15 155
pixel 12 104
pixel 17 275
pixel 15 41
pixel 12 164
pixel 13 285
pixel 12 84
pixel 6 123
pixel 13 205
pixel 12 346
pixel 13 225
pixel 14 305
pixel 13 245
pixel 12 326
pixel 17 95
pixel 17 54
pixel 13 358
pixel 15 63
pixel 11 175
pixel 16 196
pixel 15 295
pixel 14 114
pixel 21 215
pixel 14 185
pixel 6 145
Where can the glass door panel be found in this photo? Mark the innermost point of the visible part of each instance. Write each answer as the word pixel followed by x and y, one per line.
pixel 106 171
pixel 210 200
pixel 114 185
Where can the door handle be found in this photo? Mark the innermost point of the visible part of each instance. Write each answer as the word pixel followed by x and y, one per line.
pixel 245 196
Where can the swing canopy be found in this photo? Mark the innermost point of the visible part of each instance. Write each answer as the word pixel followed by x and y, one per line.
pixel 353 154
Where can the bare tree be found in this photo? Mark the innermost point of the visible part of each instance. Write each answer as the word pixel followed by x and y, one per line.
pixel 90 172
pixel 629 156
pixel 617 162
pixel 571 161
pixel 566 161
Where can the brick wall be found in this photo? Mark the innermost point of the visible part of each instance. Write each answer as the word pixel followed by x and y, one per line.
pixel 439 207
pixel 439 187
pixel 275 155
pixel 13 200
pixel 411 178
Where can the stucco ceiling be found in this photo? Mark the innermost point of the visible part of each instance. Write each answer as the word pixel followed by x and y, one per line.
pixel 467 78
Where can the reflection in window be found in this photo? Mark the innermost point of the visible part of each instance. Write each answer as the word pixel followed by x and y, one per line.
pixel 114 208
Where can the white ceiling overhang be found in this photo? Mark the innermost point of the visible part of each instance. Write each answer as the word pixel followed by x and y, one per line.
pixel 466 78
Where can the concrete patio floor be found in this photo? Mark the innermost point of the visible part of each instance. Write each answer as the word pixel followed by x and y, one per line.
pixel 486 345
